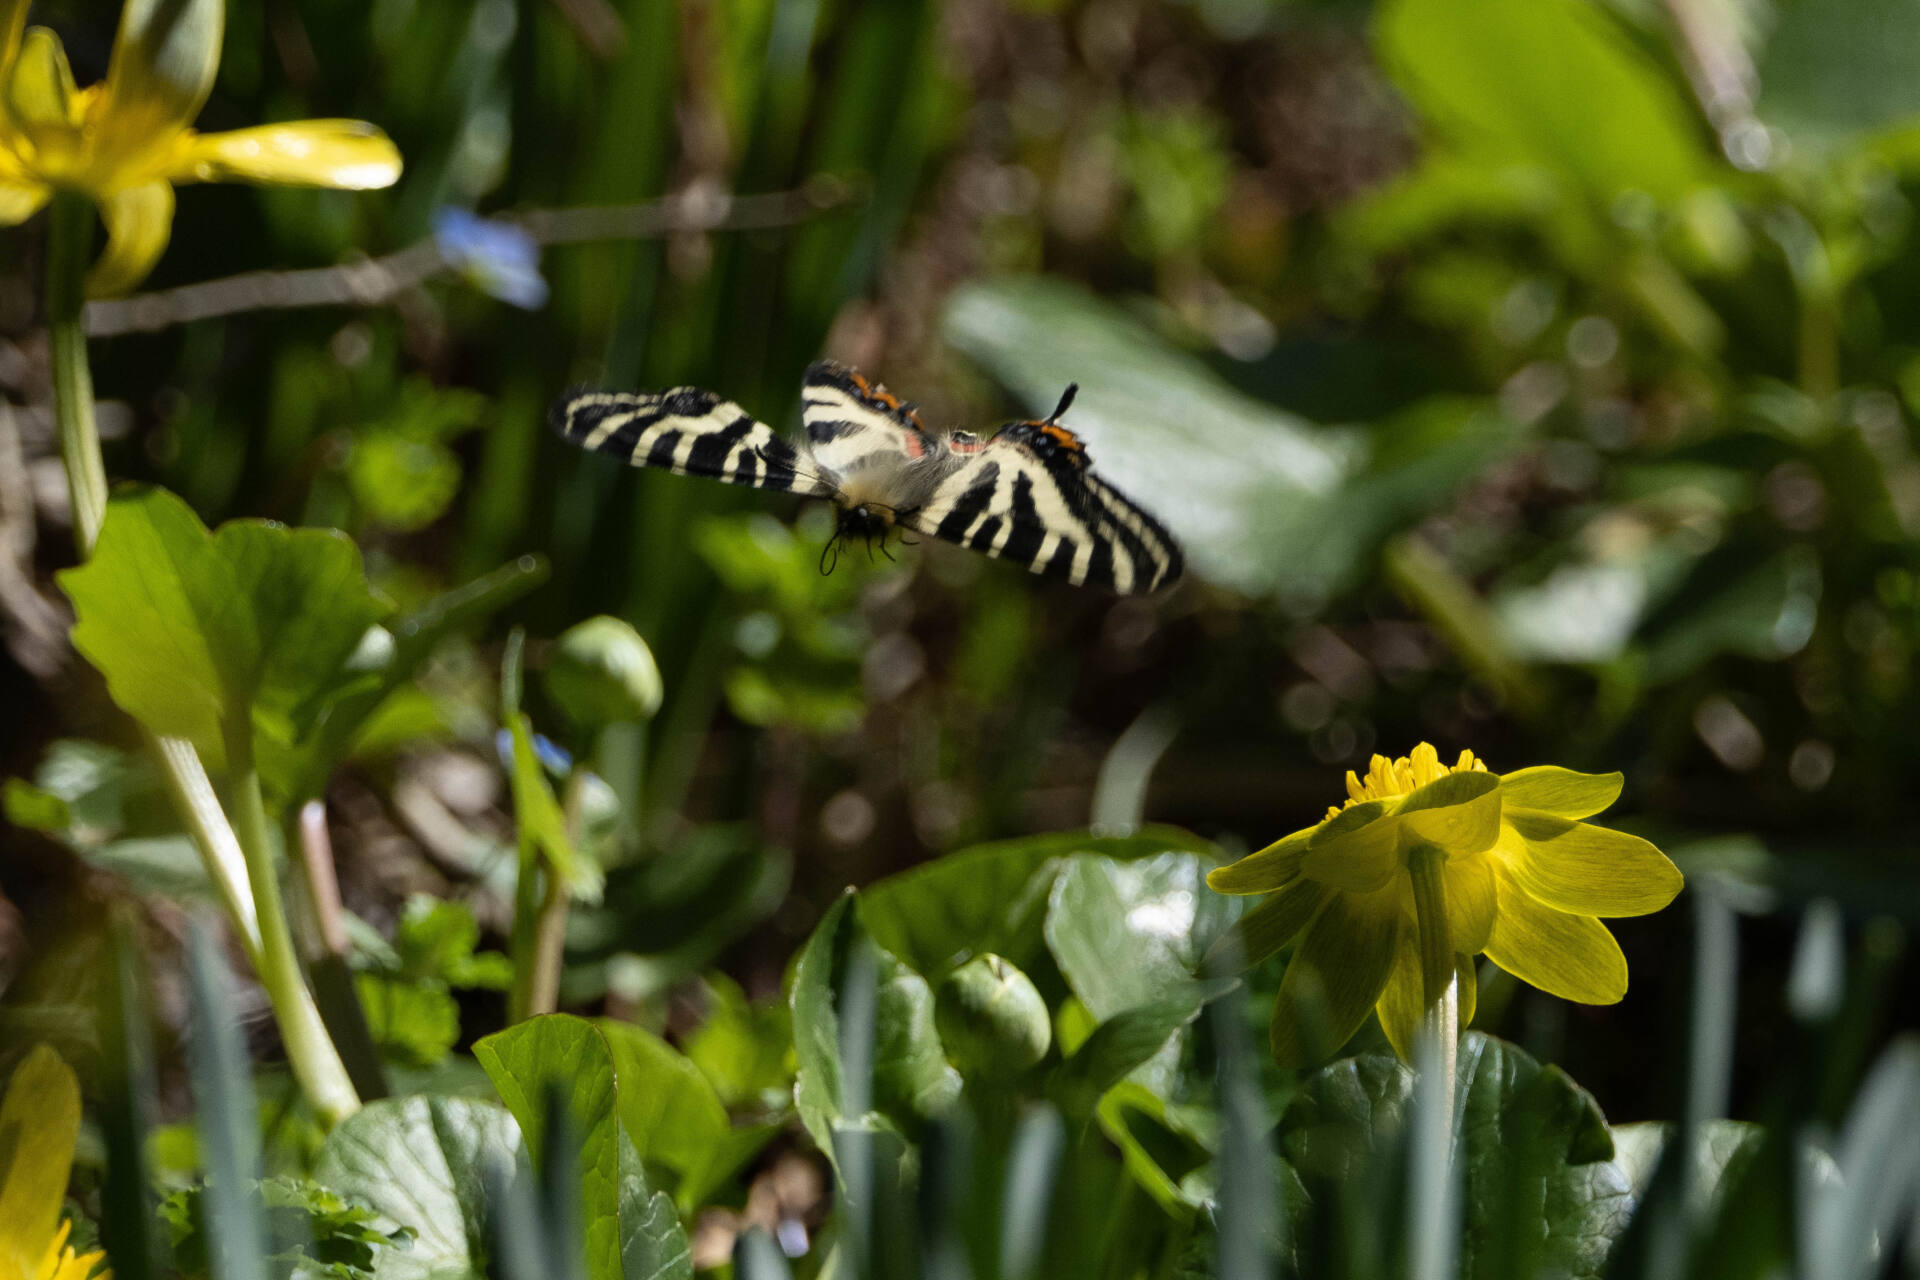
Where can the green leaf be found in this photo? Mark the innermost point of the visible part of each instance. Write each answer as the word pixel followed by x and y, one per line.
pixel 247 629
pixel 436 939
pixel 1160 1147
pixel 312 1232
pixel 539 818
pixel 421 1163
pixel 1115 1048
pixel 1519 85
pixel 1721 1151
pixel 991 897
pixel 635 1103
pixel 1132 934
pixel 744 1050
pixel 1839 70
pixel 33 809
pixel 403 484
pixel 1738 599
pixel 414 1023
pixel 1528 1136
pixel 653 1244
pixel 911 1078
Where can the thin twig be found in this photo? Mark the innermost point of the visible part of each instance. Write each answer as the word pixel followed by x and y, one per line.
pixel 373 282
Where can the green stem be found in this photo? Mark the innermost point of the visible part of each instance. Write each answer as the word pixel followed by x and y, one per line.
pixel 69 244
pixel 549 947
pixel 193 798
pixel 550 926
pixel 241 870
pixel 521 941
pixel 1433 1218
pixel 1432 1206
pixel 1426 864
pixel 316 1063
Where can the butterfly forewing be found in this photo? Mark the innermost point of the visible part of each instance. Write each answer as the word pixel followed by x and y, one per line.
pixel 688 431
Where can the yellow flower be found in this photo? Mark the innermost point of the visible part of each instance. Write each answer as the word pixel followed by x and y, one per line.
pixel 39 1122
pixel 1427 866
pixel 125 141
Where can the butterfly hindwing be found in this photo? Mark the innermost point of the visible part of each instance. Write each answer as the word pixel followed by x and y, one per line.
pixel 1029 495
pixel 687 431
pixel 854 424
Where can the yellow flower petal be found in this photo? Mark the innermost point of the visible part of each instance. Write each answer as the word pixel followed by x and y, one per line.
pixel 139 221
pixel 60 1263
pixel 1470 901
pixel 18 203
pixel 40 92
pixel 1460 812
pixel 1267 928
pixel 1585 869
pixel 1336 975
pixel 1552 789
pixel 349 154
pixel 164 62
pixel 1264 870
pixel 1573 957
pixel 39 1123
pixel 1400 1010
pixel 1401 1007
pixel 1357 850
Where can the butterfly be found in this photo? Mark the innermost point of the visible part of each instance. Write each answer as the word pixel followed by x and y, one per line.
pixel 1027 493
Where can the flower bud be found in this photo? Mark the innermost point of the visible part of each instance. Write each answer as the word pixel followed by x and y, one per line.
pixel 602 673
pixel 991 1019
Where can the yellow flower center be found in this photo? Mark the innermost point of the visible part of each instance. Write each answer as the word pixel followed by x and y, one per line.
pixel 1389 778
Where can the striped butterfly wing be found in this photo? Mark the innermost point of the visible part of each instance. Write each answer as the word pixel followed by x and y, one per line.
pixel 1029 495
pixel 688 431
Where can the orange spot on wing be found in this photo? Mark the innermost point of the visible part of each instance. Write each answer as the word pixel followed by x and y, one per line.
pixel 1061 436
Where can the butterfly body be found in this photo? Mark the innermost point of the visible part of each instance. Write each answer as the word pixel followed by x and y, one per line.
pixel 1027 493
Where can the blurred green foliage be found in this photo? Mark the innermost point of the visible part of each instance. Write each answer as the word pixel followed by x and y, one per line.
pixel 1544 384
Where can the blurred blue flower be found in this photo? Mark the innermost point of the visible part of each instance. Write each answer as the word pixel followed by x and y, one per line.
pixel 497 258
pixel 553 758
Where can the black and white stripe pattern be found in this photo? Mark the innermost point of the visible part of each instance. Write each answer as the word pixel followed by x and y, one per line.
pixel 687 431
pixel 1028 494
pixel 1057 519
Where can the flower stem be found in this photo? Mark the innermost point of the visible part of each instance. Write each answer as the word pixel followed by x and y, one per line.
pixel 549 943
pixel 1426 865
pixel 239 860
pixel 1432 1212
pixel 239 863
pixel 315 1061
pixel 69 244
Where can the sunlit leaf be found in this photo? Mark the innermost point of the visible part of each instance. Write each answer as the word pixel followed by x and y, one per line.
pixel 635 1104
pixel 244 630
pixel 910 1076
pixel 422 1163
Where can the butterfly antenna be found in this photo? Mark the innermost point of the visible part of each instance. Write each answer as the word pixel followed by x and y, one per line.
pixel 1066 399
